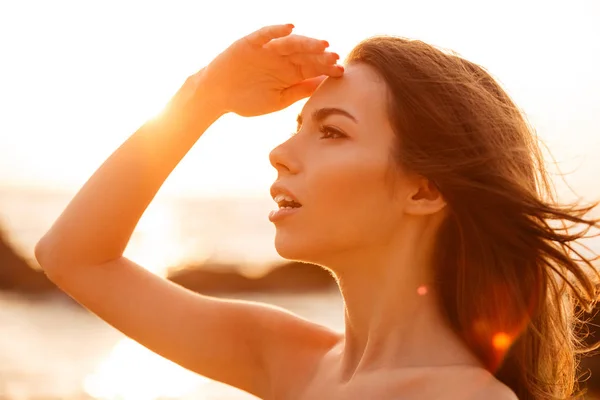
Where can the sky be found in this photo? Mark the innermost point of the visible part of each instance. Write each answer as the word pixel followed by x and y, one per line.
pixel 78 77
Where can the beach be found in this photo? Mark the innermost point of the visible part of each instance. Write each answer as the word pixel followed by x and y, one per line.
pixel 50 348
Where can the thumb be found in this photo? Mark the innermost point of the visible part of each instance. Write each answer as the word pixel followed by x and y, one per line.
pixel 301 90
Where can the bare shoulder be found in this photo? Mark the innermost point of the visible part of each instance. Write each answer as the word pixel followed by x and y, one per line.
pixel 478 384
pixel 460 383
pixel 495 391
pixel 297 347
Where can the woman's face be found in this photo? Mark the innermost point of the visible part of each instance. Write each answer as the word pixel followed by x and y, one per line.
pixel 338 167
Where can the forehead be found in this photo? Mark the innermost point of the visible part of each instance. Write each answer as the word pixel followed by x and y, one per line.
pixel 360 91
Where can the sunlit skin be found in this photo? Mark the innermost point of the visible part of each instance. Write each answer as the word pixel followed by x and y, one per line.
pixel 371 223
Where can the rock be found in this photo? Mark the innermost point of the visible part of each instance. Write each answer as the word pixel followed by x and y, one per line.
pixel 291 277
pixel 16 273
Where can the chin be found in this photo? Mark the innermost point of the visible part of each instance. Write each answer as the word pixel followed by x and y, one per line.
pixel 306 249
pixel 291 248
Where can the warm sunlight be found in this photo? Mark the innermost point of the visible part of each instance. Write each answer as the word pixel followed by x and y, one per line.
pixel 125 60
pixel 501 341
pixel 156 243
pixel 78 78
pixel 132 372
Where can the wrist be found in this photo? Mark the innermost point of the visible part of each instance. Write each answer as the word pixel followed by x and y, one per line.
pixel 194 105
pixel 208 93
pixel 206 96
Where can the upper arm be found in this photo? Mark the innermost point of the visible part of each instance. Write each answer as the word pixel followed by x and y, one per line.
pixel 231 341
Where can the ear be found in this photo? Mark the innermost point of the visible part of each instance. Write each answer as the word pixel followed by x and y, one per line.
pixel 424 198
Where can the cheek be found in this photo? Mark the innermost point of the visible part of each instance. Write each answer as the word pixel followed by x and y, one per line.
pixel 351 203
pixel 348 207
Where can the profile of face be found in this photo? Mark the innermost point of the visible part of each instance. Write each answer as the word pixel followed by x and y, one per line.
pixel 338 167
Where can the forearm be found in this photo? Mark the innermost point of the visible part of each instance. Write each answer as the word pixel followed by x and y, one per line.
pixel 98 223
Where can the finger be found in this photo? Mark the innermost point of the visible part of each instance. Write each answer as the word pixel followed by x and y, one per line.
pixel 301 90
pixel 326 58
pixel 311 65
pixel 268 33
pixel 311 71
pixel 297 44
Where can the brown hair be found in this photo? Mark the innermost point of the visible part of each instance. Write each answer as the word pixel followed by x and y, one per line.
pixel 509 272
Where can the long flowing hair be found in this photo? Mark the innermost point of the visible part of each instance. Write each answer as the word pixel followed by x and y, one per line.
pixel 512 272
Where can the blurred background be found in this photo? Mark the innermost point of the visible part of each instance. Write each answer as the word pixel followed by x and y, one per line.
pixel 78 77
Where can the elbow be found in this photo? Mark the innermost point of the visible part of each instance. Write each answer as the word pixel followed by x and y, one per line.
pixel 60 258
pixel 40 252
pixel 46 256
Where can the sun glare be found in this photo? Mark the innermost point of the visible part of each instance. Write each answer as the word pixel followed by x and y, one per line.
pixel 78 78
pixel 157 244
pixel 132 372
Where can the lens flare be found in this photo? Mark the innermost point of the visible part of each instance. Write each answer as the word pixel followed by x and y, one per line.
pixel 501 341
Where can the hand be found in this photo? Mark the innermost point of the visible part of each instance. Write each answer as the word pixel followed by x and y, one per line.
pixel 267 71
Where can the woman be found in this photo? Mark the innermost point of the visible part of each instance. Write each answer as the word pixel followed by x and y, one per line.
pixel 412 177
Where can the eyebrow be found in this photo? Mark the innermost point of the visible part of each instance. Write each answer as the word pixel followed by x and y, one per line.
pixel 322 113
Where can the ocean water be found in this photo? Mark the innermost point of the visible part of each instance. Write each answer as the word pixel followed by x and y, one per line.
pixel 172 232
pixel 53 350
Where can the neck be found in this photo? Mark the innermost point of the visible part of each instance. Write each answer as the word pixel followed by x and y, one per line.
pixel 392 315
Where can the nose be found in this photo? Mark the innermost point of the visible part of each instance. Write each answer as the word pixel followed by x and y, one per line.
pixel 281 158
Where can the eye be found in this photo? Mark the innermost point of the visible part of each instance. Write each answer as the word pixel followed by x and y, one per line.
pixel 329 132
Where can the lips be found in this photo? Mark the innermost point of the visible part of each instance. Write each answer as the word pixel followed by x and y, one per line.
pixel 282 213
pixel 285 201
pixel 282 195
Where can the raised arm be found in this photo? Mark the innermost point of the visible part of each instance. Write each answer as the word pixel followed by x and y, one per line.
pixel 83 251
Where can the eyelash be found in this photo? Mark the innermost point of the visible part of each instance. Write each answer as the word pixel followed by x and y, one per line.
pixel 329 131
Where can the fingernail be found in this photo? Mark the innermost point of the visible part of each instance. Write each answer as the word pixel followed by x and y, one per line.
pixel 325 43
pixel 336 56
pixel 291 26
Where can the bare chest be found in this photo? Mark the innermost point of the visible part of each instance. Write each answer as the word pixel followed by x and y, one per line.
pixel 396 386
pixel 372 386
pixel 348 392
